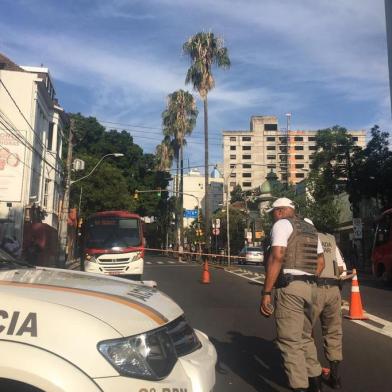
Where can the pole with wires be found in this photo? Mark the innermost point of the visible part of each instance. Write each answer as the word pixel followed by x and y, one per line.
pixel 63 232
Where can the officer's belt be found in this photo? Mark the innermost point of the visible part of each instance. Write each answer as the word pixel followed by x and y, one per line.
pixel 303 278
pixel 328 282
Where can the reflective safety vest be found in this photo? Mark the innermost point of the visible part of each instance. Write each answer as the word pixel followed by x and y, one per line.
pixel 329 246
pixel 301 252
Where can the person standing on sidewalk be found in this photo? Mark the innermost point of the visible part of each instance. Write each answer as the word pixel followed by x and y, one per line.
pixel 329 308
pixel 295 261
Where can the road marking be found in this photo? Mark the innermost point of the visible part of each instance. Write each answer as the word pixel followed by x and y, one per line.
pixel 257 277
pixel 148 262
pixel 171 262
pixel 385 330
pixel 160 262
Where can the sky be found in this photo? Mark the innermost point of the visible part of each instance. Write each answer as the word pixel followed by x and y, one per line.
pixel 117 60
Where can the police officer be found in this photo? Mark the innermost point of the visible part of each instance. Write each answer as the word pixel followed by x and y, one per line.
pixel 329 306
pixel 294 262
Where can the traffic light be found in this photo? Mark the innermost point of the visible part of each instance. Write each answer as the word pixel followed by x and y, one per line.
pixel 159 192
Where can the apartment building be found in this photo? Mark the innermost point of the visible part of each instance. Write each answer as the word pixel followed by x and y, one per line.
pixel 31 132
pixel 248 156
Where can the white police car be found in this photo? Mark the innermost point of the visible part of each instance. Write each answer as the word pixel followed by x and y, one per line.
pixel 72 331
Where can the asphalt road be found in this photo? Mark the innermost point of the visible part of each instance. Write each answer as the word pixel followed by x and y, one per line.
pixel 227 311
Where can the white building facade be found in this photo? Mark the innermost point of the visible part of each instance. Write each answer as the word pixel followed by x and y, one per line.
pixel 194 192
pixel 31 132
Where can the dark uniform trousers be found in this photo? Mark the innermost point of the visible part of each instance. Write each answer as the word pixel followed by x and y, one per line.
pixel 330 312
pixel 294 322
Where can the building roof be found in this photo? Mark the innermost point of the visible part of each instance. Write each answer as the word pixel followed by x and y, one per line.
pixel 7 64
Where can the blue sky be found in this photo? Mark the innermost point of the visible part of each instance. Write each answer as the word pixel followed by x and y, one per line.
pixel 324 61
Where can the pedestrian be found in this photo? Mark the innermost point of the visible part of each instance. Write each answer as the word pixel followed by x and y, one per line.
pixel 328 307
pixel 295 261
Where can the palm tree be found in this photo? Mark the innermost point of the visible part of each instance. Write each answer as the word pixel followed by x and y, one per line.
pixel 164 154
pixel 205 50
pixel 178 120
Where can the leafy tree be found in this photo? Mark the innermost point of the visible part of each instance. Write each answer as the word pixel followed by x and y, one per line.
pixel 371 172
pixel 135 169
pixel 236 194
pixel 204 51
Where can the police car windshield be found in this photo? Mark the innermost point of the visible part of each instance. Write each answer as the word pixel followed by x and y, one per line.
pixel 9 262
pixel 109 232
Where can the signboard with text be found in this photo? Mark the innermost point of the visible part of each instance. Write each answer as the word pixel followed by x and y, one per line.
pixel 12 156
pixel 191 213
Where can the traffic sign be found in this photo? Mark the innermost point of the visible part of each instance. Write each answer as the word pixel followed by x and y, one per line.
pixel 215 231
pixel 357 228
pixel 191 213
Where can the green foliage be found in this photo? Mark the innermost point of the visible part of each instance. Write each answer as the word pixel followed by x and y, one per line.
pixel 115 180
pixel 237 194
pixel 237 229
pixel 371 171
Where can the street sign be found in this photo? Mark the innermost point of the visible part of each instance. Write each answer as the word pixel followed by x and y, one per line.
pixel 190 213
pixel 215 231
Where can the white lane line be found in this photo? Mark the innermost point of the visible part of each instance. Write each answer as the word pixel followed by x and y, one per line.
pixel 160 262
pixel 148 262
pixel 386 328
pixel 171 262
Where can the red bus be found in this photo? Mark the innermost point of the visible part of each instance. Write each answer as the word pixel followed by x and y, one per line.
pixel 113 244
pixel 382 247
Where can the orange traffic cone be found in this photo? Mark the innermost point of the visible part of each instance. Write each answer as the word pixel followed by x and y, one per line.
pixel 356 310
pixel 205 278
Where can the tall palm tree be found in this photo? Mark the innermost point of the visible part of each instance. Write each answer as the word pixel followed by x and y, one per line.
pixel 164 154
pixel 205 50
pixel 178 120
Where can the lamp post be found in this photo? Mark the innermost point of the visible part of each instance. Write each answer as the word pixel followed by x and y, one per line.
pixel 65 207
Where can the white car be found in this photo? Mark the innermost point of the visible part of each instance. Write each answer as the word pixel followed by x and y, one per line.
pixel 72 331
pixel 251 254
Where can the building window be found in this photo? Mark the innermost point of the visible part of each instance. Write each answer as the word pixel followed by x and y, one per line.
pixel 247 175
pixel 247 157
pixel 313 148
pixel 247 184
pixel 299 148
pixel 271 166
pixel 233 175
pixel 298 139
pixel 233 184
pixel 233 148
pixel 246 166
pixel 233 138
pixel 232 166
pixel 299 166
pixel 299 175
pixel 312 138
pixel 270 127
pixel 283 139
pixel 233 156
pixel 271 148
pixel 284 177
pixel 354 138
pixel 271 156
pixel 270 138
pixel 299 157
pixel 246 139
pixel 50 136
pixel 311 156
pixel 46 193
pixel 246 148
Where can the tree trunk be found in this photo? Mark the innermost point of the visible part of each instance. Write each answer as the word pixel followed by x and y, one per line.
pixel 182 195
pixel 177 204
pixel 206 174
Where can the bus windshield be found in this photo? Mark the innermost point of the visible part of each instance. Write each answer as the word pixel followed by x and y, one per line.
pixel 112 232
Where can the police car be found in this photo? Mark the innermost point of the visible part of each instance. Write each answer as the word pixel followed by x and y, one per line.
pixel 72 331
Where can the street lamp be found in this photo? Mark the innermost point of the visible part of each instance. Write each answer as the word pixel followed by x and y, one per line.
pixel 65 207
pixel 114 154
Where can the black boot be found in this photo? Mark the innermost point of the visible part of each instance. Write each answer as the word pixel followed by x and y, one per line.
pixel 315 384
pixel 334 379
pixel 300 390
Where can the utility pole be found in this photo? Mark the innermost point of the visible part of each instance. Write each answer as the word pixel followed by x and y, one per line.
pixel 63 228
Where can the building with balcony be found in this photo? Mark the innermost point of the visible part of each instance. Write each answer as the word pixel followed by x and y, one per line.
pixel 31 133
pixel 249 155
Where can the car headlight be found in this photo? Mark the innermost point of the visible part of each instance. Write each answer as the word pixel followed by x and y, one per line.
pixel 91 259
pixel 137 256
pixel 150 356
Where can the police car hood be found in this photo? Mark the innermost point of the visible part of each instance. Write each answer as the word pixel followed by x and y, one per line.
pixel 129 307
